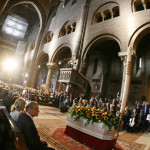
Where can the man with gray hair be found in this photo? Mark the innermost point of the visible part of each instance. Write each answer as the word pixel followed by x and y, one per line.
pixel 26 125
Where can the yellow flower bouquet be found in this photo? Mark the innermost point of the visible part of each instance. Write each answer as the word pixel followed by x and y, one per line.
pixel 94 115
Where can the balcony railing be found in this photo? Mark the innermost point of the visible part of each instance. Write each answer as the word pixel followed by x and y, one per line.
pixel 71 76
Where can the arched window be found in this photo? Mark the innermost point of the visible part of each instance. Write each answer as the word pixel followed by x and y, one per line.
pixel 44 41
pixel 73 2
pixel 69 29
pixel 138 6
pixel 62 32
pixel 74 27
pixel 107 14
pixel 48 37
pixel 115 11
pixel 140 62
pixel 98 18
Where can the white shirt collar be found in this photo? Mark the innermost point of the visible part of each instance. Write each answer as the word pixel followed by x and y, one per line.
pixel 29 115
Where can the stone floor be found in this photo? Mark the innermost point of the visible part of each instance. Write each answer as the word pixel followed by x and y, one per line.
pixel 51 117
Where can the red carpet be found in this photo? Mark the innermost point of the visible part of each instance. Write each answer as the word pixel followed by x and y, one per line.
pixel 62 142
pixel 51 125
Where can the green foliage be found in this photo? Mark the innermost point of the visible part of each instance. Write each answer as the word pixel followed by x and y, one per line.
pixel 94 116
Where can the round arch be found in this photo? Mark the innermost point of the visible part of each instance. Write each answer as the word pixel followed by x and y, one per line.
pixel 98 62
pixel 138 34
pixel 96 41
pixel 138 41
pixel 42 59
pixel 35 4
pixel 59 50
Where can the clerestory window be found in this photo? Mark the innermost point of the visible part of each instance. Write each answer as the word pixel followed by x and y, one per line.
pixel 15 27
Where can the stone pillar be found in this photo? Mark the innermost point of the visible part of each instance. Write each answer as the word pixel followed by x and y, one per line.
pixel 112 14
pixel 123 56
pixel 144 5
pixel 72 28
pixel 51 67
pixel 66 31
pixel 127 80
pixel 32 65
pixel 80 30
pixel 103 16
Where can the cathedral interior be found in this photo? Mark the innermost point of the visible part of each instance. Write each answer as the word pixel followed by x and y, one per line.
pixel 77 46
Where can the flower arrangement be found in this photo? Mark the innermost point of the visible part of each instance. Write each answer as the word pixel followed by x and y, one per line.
pixel 94 115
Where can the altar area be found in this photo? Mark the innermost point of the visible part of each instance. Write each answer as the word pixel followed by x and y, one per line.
pixel 51 125
pixel 95 135
pixel 91 127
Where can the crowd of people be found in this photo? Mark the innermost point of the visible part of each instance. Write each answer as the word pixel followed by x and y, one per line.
pixel 22 111
pixel 22 104
pixel 135 118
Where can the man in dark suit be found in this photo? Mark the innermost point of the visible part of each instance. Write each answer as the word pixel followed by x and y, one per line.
pixel 26 125
pixel 6 100
pixel 146 108
pixel 65 104
pixel 138 107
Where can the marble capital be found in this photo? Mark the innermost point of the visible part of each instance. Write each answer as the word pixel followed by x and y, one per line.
pixel 123 56
pixel 52 66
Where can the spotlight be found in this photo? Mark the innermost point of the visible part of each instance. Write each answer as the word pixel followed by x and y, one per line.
pixel 10 65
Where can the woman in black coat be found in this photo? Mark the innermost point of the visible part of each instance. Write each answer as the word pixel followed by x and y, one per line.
pixel 133 121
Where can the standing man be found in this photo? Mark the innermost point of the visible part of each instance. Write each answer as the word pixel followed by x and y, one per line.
pixel 146 108
pixel 26 125
pixel 65 104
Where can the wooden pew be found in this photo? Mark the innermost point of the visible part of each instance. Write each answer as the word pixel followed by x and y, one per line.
pixel 15 133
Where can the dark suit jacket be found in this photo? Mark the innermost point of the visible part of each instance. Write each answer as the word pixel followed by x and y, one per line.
pixel 146 109
pixel 26 125
pixel 7 103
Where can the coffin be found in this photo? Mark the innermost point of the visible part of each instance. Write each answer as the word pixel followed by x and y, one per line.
pixel 95 135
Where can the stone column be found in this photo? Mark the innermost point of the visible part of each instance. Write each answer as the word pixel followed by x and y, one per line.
pixel 127 80
pixel 144 5
pixel 66 31
pixel 112 14
pixel 51 67
pixel 103 16
pixel 72 28
pixel 80 30
pixel 32 65
pixel 123 56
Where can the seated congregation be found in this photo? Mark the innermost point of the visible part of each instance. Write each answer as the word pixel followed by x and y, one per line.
pixel 22 113
pixel 22 105
pixel 135 118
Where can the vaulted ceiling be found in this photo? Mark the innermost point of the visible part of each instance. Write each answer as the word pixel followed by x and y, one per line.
pixel 48 5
